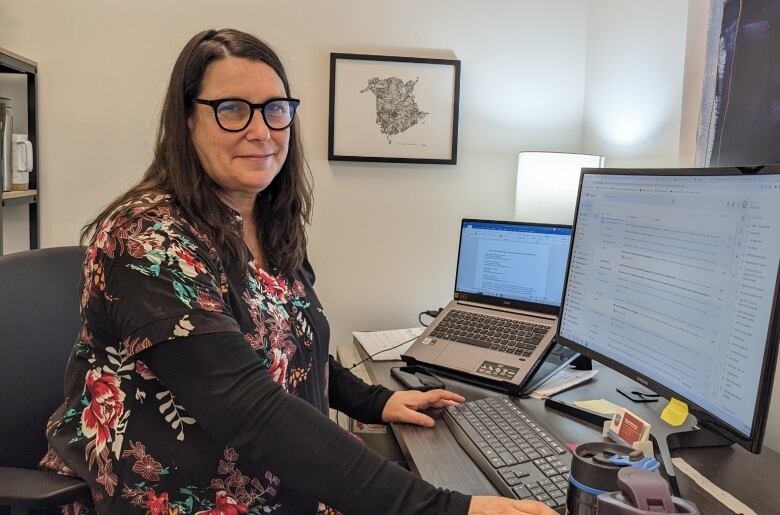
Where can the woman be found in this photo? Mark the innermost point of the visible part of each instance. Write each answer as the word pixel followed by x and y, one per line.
pixel 201 375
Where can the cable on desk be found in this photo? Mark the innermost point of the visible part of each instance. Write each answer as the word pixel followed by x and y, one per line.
pixel 432 313
pixel 381 351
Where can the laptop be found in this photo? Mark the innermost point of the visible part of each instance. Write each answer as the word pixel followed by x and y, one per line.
pixel 499 328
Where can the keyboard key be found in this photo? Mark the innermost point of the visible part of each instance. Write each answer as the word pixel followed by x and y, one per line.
pixel 521 473
pixel 520 456
pixel 542 497
pixel 508 458
pixel 559 501
pixel 555 493
pixel 498 462
pixel 522 492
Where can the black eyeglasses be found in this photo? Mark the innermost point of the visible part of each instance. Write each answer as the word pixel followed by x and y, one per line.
pixel 235 114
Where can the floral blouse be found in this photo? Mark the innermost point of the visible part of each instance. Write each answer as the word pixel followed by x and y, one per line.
pixel 150 276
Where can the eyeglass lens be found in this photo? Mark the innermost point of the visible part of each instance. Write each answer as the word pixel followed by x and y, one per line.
pixel 235 114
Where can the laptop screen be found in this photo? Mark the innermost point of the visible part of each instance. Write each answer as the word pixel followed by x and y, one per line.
pixel 513 261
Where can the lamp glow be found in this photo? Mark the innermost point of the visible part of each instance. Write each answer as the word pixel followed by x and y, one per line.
pixel 547 184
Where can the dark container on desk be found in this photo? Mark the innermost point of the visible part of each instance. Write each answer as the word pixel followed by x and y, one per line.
pixel 642 493
pixel 592 474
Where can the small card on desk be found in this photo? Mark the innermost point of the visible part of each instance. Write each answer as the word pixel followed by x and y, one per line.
pixel 628 427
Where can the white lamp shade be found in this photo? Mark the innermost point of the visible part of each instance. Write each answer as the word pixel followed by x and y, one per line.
pixel 547 184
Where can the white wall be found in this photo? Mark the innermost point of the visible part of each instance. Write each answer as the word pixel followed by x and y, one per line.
pixel 634 79
pixel 604 76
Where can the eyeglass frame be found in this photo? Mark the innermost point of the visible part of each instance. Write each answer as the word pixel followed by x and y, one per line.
pixel 252 108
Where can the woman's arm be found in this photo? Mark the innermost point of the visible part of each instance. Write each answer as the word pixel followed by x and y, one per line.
pixel 352 396
pixel 223 385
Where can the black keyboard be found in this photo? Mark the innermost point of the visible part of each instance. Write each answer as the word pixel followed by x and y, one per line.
pixel 496 333
pixel 519 457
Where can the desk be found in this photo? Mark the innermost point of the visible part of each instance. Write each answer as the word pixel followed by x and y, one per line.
pixel 435 456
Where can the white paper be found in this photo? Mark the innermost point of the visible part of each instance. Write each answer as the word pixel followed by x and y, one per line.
pixel 375 342
pixel 563 380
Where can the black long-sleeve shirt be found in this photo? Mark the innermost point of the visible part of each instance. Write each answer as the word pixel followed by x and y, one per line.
pixel 195 386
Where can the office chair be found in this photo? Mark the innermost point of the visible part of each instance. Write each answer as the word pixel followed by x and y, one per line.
pixel 39 323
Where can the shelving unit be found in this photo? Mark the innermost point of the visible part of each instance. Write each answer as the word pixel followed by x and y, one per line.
pixel 13 63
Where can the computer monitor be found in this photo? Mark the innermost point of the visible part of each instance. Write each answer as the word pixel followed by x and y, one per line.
pixel 673 279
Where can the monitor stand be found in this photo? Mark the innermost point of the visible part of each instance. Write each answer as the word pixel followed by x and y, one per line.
pixel 638 394
pixel 667 439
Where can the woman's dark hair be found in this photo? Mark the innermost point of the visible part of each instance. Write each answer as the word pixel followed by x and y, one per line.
pixel 284 206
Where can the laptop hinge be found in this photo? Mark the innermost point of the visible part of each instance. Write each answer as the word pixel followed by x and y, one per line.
pixel 509 310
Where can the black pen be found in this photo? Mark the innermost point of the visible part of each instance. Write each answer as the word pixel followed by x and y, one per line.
pixel 597 419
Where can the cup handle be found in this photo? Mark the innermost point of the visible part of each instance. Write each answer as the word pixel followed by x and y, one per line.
pixel 24 164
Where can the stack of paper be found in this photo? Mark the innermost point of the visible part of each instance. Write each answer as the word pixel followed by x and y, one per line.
pixel 380 344
pixel 563 380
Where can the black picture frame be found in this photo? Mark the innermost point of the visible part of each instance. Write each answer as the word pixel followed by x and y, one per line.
pixel 393 109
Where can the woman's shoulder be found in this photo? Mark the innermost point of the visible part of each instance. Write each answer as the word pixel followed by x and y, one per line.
pixel 156 212
pixel 147 217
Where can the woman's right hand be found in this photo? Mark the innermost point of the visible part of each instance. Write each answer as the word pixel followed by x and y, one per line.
pixel 483 505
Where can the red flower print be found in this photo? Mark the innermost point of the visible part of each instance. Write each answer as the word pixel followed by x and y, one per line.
pixel 256 341
pixel 74 508
pixel 207 302
pixel 148 467
pixel 136 248
pixel 225 467
pixel 52 461
pixel 278 368
pixel 231 454
pixel 298 289
pixel 85 335
pixel 144 371
pixel 278 338
pixel 107 478
pixel 156 505
pixel 137 450
pixel 104 409
pixel 271 285
pixel 225 505
pixel 188 264
pixel 134 346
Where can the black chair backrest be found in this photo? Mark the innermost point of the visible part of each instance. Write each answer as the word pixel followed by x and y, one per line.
pixel 39 323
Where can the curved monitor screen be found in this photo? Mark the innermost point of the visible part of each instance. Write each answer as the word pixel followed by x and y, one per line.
pixel 674 277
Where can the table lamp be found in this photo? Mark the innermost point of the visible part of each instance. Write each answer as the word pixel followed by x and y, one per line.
pixel 547 185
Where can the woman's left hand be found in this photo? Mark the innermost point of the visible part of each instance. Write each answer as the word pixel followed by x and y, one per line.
pixel 403 406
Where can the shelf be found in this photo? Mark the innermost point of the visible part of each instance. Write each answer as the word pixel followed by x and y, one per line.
pixel 18 198
pixel 14 63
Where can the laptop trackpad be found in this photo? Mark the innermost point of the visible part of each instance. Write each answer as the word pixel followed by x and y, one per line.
pixel 462 357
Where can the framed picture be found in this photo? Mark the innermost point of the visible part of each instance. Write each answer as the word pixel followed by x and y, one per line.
pixel 393 109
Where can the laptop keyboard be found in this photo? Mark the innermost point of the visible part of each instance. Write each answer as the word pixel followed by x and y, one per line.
pixel 495 333
pixel 518 456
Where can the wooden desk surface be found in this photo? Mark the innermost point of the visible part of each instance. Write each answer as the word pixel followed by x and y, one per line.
pixel 436 457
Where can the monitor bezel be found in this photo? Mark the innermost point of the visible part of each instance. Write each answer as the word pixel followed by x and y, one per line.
pixel 500 301
pixel 752 442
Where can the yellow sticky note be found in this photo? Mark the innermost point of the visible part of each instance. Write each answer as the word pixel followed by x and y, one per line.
pixel 602 406
pixel 675 412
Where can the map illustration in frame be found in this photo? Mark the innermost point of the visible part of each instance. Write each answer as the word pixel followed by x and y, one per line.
pixel 393 109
